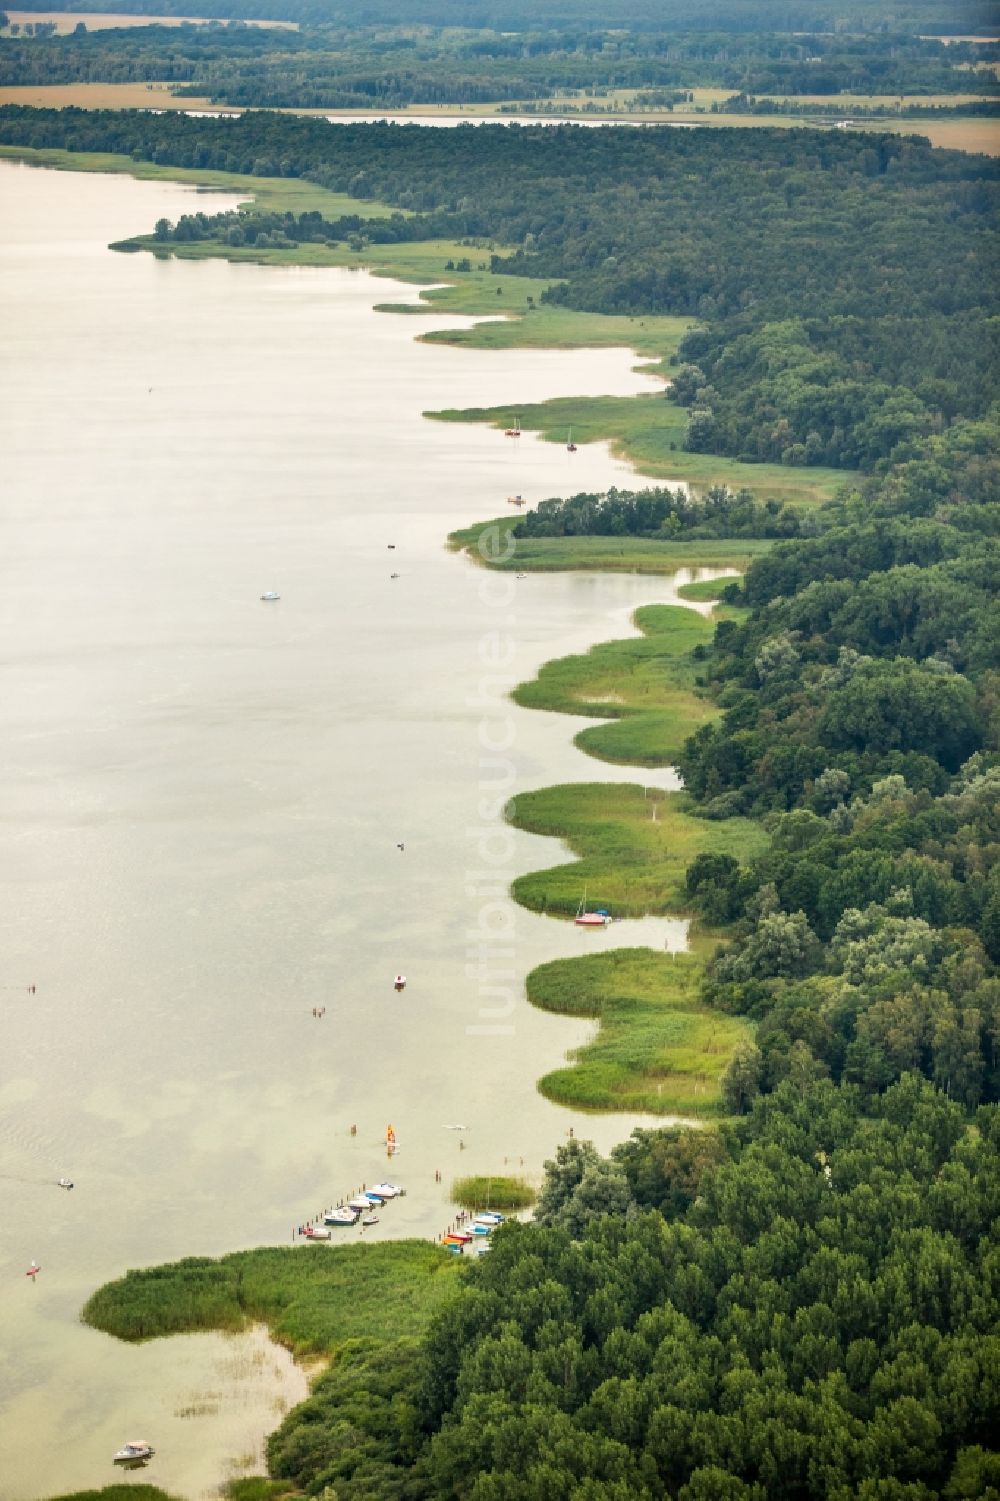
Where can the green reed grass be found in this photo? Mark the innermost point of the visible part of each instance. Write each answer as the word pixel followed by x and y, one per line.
pixel 628 860
pixel 486 543
pixel 658 1049
pixel 311 1297
pixel 492 1193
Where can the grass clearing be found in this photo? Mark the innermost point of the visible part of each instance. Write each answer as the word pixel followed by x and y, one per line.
pixel 633 845
pixel 658 1048
pixel 313 1298
pixel 500 1192
pixel 100 96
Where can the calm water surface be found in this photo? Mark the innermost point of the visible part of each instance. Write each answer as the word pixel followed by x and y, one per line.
pixel 203 795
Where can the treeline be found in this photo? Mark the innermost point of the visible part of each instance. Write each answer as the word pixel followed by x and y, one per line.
pixel 663 513
pixel 938 17
pixel 861 719
pixel 335 67
pixel 842 280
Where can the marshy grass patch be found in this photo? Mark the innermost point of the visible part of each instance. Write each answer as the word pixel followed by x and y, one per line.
pixel 311 1297
pixel 658 1049
pixel 633 845
pixel 645 685
pixel 497 1192
pixel 491 544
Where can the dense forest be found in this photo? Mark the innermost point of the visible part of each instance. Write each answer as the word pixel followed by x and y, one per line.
pixel 355 68
pixel 839 278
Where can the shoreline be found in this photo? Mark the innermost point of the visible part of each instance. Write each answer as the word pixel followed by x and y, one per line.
pixel 693 1031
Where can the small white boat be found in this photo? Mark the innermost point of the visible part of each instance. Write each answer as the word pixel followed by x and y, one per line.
pixel 315 1232
pixel 488 1218
pixel 65 1183
pixel 386 1190
pixel 342 1216
pixel 455 1128
pixel 270 595
pixel 363 1202
pixel 136 1451
pixel 370 1219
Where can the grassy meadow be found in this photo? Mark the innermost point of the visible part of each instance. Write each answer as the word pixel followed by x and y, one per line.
pixel 313 1298
pixel 657 1049
pixel 633 845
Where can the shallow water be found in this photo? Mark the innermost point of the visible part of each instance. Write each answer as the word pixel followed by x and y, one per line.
pixel 203 795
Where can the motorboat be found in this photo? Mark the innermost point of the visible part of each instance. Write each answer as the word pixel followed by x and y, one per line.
pixel 316 1232
pixel 64 1183
pixel 483 1229
pixel 461 1235
pixel 387 1190
pixel 488 1218
pixel 399 982
pixel 270 595
pixel 136 1451
pixel 369 1219
pixel 361 1204
pixel 342 1216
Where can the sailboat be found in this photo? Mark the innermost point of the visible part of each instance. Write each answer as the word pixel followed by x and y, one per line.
pixel 596 919
pixel 570 445
pixel 515 431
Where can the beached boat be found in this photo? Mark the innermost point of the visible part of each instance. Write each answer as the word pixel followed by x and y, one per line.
pixel 342 1216
pixel 136 1451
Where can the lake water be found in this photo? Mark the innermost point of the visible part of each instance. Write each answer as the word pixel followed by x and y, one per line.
pixel 203 795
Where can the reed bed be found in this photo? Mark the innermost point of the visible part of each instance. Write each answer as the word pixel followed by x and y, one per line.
pixel 493 1193
pixel 629 860
pixel 311 1297
pixel 658 1048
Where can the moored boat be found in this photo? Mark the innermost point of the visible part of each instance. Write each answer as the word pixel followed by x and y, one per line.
pixel 316 1232
pixel 387 1190
pixel 342 1216
pixel 136 1451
